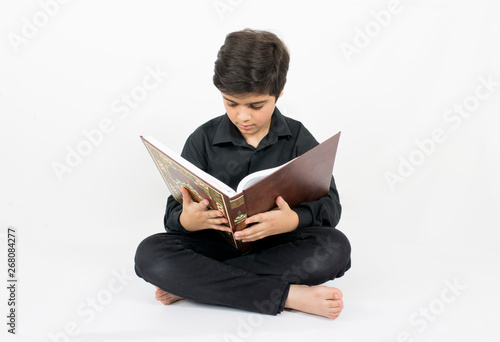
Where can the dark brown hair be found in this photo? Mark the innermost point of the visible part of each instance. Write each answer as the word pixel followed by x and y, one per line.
pixel 251 61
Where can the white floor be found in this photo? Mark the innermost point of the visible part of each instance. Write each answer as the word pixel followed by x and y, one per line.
pixel 395 291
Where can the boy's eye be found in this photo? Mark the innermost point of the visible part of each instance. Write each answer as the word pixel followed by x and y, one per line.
pixel 230 104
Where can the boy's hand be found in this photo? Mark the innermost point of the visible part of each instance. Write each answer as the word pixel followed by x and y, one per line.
pixel 277 221
pixel 196 216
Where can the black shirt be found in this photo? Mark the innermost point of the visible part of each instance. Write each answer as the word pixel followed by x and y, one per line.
pixel 218 148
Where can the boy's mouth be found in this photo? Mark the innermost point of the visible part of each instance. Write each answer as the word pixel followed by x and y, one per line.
pixel 245 127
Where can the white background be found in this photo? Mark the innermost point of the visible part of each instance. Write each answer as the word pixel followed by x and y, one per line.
pixel 438 225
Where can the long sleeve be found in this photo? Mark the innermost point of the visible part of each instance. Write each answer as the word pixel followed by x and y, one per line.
pixel 173 211
pixel 172 214
pixel 324 212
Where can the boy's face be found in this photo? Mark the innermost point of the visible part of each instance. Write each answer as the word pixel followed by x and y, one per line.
pixel 251 113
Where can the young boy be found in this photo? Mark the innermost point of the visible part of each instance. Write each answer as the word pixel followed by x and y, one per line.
pixel 292 249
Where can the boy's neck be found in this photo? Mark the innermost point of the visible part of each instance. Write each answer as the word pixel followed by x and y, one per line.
pixel 255 139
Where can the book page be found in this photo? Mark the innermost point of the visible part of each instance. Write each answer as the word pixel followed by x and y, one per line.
pixel 256 177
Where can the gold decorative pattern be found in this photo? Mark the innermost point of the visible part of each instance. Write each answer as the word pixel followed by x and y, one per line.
pixel 237 202
pixel 176 177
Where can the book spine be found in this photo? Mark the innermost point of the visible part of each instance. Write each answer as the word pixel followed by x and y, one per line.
pixel 227 214
pixel 237 215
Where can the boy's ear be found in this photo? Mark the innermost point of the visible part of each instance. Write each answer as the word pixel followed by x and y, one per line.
pixel 281 94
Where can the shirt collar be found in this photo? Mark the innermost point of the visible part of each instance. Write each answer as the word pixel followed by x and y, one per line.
pixel 228 132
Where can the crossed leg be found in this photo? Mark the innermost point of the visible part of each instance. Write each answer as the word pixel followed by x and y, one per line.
pixel 331 255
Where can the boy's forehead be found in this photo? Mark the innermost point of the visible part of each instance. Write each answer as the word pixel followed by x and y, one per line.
pixel 247 97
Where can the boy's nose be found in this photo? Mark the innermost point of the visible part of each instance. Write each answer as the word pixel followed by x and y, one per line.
pixel 243 115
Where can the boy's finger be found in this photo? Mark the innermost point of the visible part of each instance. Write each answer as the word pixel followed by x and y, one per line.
pixel 281 203
pixel 204 204
pixel 221 220
pixel 214 213
pixel 253 237
pixel 186 197
pixel 245 233
pixel 222 228
pixel 254 219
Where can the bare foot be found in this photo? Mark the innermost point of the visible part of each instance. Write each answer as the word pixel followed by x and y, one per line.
pixel 317 300
pixel 165 297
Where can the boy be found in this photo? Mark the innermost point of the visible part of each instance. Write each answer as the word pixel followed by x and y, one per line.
pixel 292 249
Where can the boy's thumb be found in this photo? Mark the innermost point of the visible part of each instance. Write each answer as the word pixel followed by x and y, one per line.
pixel 280 201
pixel 185 195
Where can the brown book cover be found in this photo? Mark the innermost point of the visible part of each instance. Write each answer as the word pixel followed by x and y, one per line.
pixel 303 179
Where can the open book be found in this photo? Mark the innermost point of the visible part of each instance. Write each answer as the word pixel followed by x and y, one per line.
pixel 303 179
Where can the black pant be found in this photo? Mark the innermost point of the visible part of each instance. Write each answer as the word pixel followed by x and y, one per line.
pixel 203 267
